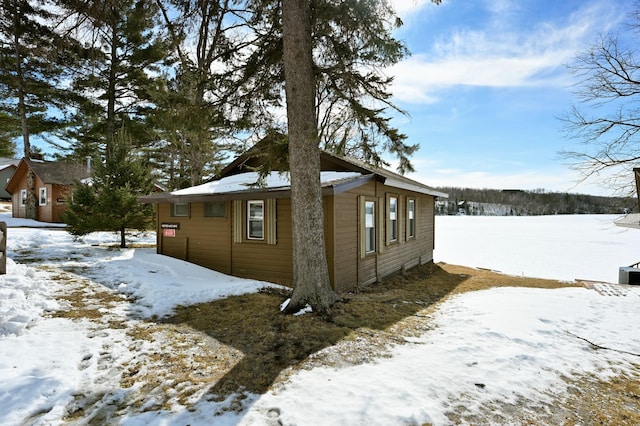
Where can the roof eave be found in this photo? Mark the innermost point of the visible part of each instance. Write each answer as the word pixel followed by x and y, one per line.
pixel 415 188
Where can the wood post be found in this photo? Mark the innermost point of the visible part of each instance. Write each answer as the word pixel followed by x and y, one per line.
pixel 3 248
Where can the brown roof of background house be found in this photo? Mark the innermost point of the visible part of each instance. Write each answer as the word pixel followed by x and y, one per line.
pixel 52 172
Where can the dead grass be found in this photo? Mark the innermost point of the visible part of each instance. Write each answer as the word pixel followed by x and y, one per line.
pixel 606 402
pixel 80 302
pixel 180 366
pixel 362 325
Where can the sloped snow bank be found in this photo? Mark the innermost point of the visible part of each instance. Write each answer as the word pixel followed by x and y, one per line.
pixel 23 299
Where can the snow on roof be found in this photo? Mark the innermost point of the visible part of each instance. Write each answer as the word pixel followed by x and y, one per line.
pixel 416 187
pixel 631 220
pixel 245 181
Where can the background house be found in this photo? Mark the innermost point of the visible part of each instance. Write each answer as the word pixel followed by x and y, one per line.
pixel 377 222
pixel 51 183
pixel 7 168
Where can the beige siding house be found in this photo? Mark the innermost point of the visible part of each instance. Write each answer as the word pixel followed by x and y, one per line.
pixel 377 223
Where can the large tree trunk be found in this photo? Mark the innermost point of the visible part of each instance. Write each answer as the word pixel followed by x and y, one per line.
pixel 111 88
pixel 310 271
pixel 22 107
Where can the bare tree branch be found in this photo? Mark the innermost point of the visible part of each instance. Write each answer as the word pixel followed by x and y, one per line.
pixel 607 120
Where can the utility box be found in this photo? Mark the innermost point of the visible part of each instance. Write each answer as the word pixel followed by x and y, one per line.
pixel 629 275
pixel 3 248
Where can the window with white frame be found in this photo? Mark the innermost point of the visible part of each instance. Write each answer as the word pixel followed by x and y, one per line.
pixel 393 219
pixel 43 196
pixel 23 197
pixel 255 220
pixel 369 226
pixel 411 218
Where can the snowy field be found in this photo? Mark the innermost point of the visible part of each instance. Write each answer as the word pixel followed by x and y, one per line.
pixel 501 345
pixel 565 247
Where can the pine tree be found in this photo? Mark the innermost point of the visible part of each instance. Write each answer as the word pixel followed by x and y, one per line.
pixel 8 132
pixel 32 71
pixel 124 59
pixel 108 202
pixel 310 270
pixel 351 42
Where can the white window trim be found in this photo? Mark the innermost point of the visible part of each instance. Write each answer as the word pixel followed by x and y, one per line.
pixel 42 196
pixel 23 197
pixel 250 219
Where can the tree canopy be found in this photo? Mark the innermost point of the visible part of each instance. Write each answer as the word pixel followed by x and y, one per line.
pixel 194 82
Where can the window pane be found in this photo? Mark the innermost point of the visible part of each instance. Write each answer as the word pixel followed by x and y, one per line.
pixel 43 196
pixel 255 229
pixel 255 220
pixel 393 219
pixel 215 209
pixel 369 227
pixel 181 209
pixel 255 210
pixel 412 220
pixel 393 208
pixel 368 214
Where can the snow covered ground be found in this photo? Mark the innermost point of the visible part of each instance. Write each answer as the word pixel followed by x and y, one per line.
pixel 561 247
pixel 500 345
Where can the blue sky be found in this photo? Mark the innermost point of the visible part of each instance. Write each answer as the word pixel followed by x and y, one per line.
pixel 486 84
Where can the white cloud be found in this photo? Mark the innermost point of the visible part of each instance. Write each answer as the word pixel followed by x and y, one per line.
pixel 499 56
pixel 404 8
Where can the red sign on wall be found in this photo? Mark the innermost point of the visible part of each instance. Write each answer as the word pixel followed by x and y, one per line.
pixel 169 232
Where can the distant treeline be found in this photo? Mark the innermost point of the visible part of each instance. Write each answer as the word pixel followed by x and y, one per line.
pixel 528 203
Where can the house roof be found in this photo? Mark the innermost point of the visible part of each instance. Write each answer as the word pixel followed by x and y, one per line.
pixel 8 162
pixel 239 181
pixel 49 172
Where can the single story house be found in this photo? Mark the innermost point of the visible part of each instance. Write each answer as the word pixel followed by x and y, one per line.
pixel 7 167
pixel 377 223
pixel 49 181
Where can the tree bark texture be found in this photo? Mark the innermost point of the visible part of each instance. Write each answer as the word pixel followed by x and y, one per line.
pixel 22 107
pixel 31 203
pixel 310 270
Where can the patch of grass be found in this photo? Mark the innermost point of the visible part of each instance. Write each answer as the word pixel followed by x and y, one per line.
pixel 81 303
pixel 608 402
pixel 483 279
pixel 269 341
pixel 368 320
pixel 362 324
pixel 588 401
pixel 178 370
